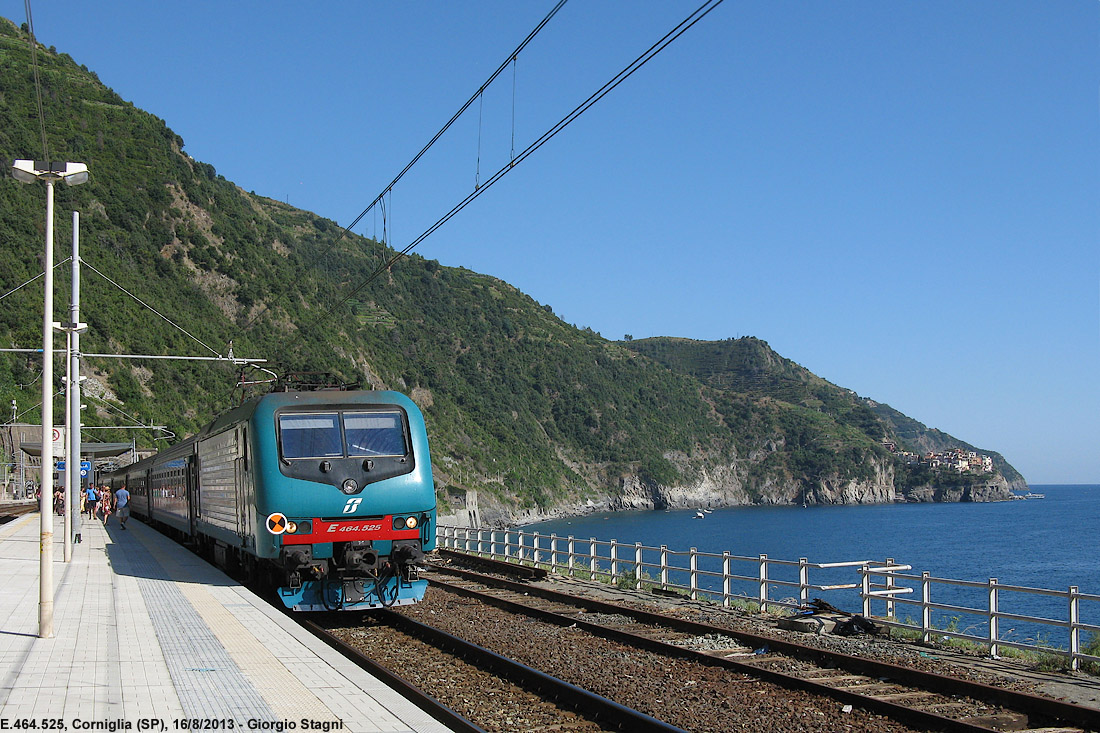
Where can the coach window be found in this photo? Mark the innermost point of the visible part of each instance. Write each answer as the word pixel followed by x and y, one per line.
pixel 310 435
pixel 375 434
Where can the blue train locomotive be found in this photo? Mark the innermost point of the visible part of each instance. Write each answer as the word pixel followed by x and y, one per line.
pixel 328 494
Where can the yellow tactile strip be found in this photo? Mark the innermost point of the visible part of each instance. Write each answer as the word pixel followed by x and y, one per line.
pixel 285 694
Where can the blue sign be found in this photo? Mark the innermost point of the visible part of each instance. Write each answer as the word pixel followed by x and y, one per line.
pixel 85 468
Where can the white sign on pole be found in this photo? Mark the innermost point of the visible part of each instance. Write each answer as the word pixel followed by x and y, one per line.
pixel 59 442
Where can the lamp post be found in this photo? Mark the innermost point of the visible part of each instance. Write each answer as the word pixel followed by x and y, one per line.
pixel 31 171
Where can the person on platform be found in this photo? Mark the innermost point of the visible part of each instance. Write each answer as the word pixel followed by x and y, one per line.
pixel 122 506
pixel 90 498
pixel 106 504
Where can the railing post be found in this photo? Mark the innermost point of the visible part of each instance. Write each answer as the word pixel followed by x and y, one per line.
pixel 466 539
pixel 613 554
pixel 572 545
pixel 553 551
pixel 536 549
pixel 763 593
pixel 480 541
pixel 507 545
pixel 520 550
pixel 803 581
pixel 493 544
pixel 664 567
pixel 637 566
pixel 593 566
pixel 1074 628
pixel 693 570
pixel 926 606
pixel 890 609
pixel 726 579
pixel 865 588
pixel 993 632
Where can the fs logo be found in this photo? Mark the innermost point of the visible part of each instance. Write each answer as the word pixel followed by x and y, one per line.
pixel 352 505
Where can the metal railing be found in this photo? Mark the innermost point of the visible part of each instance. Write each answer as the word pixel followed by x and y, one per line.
pixel 769 583
pixel 992 611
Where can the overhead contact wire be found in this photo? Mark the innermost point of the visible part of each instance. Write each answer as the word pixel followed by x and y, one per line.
pixel 37 81
pixel 700 12
pixel 416 158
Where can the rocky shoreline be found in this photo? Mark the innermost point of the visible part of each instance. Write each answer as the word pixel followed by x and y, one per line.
pixel 635 494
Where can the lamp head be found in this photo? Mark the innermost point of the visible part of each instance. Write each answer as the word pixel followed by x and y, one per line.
pixel 29 171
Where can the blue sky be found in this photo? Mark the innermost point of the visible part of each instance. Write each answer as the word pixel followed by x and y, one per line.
pixel 901 197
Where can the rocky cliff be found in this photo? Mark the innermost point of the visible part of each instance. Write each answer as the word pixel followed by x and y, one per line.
pixel 723 486
pixel 994 489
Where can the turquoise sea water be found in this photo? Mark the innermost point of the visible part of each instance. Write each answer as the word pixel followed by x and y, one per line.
pixel 1040 543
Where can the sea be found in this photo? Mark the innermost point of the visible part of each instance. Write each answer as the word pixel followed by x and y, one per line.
pixel 1047 543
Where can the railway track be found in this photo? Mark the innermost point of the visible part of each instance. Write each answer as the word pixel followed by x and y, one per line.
pixel 470 688
pixel 13 511
pixel 916 698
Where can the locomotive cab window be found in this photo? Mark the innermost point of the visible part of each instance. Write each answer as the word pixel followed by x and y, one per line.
pixel 310 435
pixel 359 434
pixel 369 434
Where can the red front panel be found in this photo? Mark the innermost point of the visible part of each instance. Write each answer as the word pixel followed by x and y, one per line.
pixel 350 530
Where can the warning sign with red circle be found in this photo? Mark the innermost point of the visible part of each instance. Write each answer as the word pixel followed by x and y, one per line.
pixel 276 523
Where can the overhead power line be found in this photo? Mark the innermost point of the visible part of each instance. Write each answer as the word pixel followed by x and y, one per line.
pixel 37 81
pixel 154 310
pixel 379 199
pixel 33 279
pixel 681 28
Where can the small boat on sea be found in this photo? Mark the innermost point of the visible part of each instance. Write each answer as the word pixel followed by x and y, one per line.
pixel 1033 495
pixel 698 515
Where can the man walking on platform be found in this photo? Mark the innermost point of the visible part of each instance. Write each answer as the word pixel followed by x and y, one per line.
pixel 122 506
pixel 90 498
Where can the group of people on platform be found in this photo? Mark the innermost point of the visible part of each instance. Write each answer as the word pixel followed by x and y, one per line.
pixel 100 502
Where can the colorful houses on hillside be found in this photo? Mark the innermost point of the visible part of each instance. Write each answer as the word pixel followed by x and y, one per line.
pixel 957 459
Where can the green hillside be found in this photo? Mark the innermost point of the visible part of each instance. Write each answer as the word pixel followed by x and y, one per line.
pixel 748 369
pixel 525 408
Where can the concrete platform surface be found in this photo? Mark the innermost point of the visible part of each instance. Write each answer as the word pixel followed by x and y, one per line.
pixel 147 636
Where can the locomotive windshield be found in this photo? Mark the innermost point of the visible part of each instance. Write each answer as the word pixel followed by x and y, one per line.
pixel 374 434
pixel 310 435
pixel 336 435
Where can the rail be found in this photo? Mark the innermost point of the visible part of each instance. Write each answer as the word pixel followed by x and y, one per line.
pixel 768 583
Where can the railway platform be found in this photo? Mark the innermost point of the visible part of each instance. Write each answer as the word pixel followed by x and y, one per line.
pixel 147 636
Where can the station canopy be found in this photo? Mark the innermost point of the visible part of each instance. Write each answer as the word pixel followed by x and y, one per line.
pixel 87 450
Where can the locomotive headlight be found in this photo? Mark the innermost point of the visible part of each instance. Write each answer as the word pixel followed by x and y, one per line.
pixel 411 522
pixel 349 486
pixel 291 527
